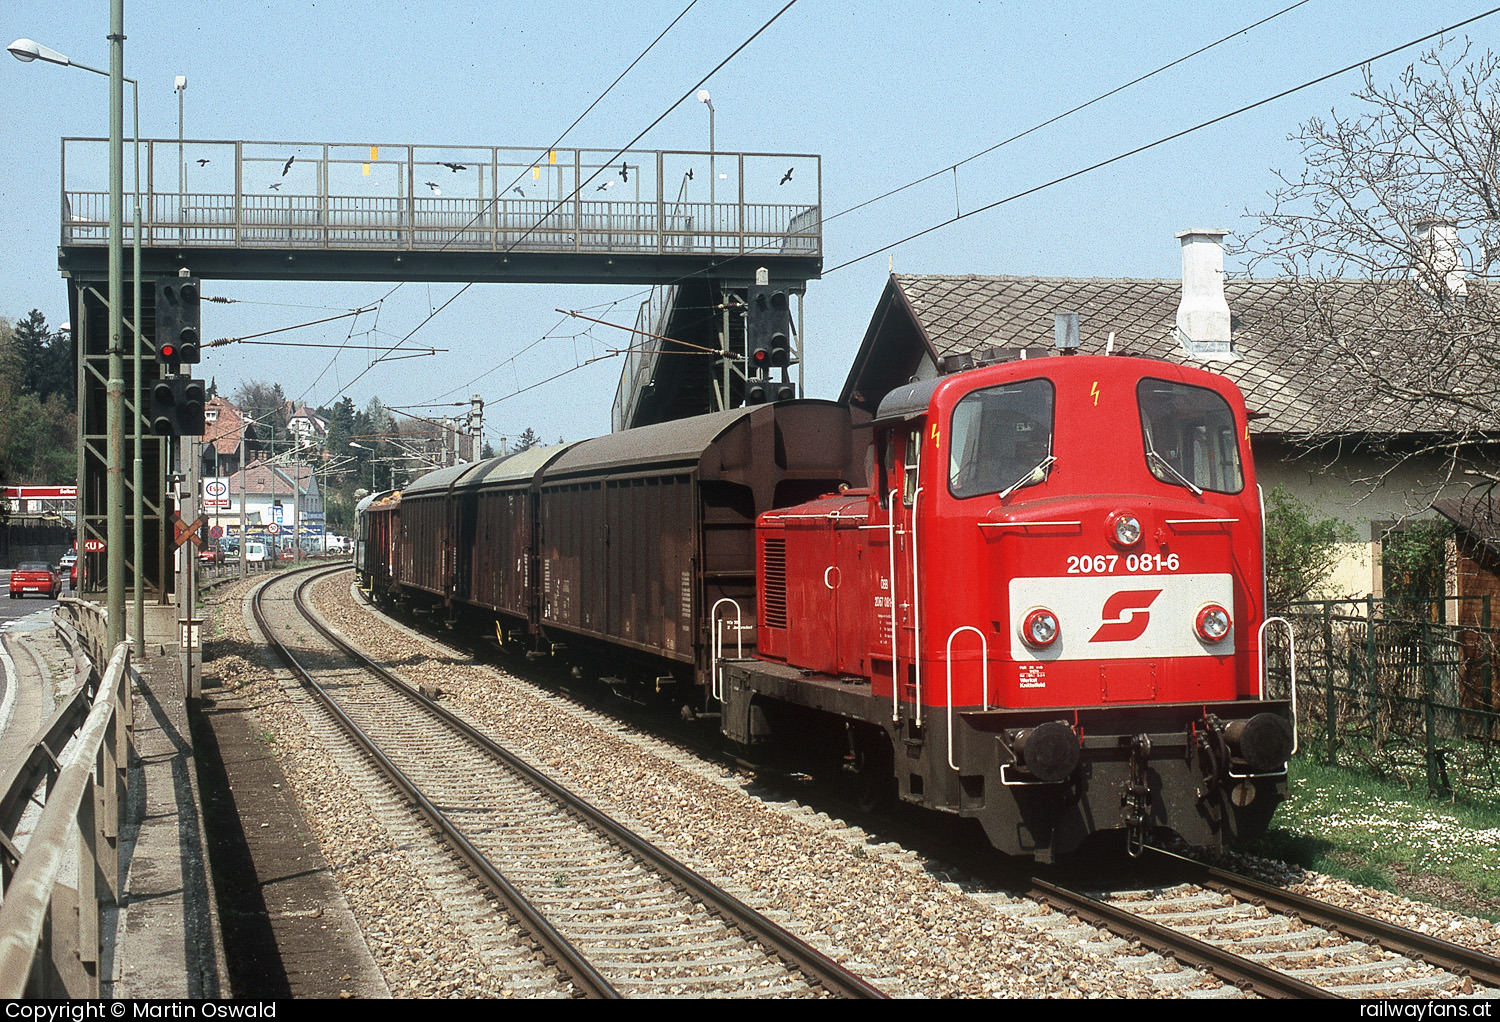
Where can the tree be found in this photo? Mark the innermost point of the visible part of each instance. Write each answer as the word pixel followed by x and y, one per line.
pixel 1300 553
pixel 1388 239
pixel 527 440
pixel 265 403
pixel 1413 560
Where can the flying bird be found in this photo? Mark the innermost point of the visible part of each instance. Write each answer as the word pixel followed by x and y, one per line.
pixel 788 175
pixel 607 184
pixel 518 191
pixel 690 173
pixel 276 186
pixel 455 167
pixel 202 162
pixel 433 185
pixel 288 166
pixel 624 172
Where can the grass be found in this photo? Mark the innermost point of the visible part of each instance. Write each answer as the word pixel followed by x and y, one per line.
pixel 1369 832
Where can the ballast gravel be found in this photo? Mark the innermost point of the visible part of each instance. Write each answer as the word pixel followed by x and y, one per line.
pixel 905 924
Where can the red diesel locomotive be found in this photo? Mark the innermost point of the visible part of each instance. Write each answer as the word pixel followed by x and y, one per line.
pixel 1040 603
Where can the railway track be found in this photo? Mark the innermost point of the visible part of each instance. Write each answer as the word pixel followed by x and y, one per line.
pixel 1278 943
pixel 1262 940
pixel 616 916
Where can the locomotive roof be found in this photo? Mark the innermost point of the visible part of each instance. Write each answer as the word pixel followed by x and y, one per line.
pixel 904 402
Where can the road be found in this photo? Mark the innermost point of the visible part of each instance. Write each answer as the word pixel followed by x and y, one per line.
pixel 25 693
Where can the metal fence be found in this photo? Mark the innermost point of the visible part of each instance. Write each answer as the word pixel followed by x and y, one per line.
pixel 302 195
pixel 62 881
pixel 1412 698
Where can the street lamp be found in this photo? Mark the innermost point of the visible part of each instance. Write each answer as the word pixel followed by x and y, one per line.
pixel 179 86
pixel 27 50
pixel 372 462
pixel 706 100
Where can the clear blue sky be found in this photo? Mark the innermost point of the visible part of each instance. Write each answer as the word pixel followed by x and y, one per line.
pixel 885 92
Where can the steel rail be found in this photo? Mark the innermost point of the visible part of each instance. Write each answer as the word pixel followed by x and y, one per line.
pixel 809 960
pixel 1228 966
pixel 1433 950
pixel 566 957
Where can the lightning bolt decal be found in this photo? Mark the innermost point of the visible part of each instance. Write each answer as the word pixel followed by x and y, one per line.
pixel 1094 390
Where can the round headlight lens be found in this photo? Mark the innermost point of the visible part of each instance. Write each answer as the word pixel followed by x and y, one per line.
pixel 1040 628
pixel 1213 623
pixel 1127 529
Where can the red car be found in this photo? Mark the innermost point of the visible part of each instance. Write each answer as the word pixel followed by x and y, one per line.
pixel 34 577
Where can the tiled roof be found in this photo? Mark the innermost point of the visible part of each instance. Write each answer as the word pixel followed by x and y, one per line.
pixel 224 431
pixel 1476 515
pixel 262 478
pixel 1284 333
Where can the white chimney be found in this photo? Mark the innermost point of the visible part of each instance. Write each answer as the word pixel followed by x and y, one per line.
pixel 1203 316
pixel 1437 245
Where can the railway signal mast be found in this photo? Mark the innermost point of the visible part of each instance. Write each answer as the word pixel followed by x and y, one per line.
pixel 177 400
pixel 768 341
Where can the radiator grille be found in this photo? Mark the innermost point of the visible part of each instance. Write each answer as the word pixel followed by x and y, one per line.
pixel 775 583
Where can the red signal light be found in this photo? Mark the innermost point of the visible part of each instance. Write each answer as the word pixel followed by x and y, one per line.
pixel 167 351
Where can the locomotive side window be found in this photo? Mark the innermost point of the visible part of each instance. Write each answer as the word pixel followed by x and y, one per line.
pixel 1190 437
pixel 1001 439
pixel 909 474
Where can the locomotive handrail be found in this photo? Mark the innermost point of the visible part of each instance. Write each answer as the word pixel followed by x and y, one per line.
pixel 895 674
pixel 1201 521
pixel 718 641
pixel 916 603
pixel 1291 650
pixel 984 652
pixel 1022 525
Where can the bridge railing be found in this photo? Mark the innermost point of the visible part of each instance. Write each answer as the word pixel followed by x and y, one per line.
pixel 61 879
pixel 207 194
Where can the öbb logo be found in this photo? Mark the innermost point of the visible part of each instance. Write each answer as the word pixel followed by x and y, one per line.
pixel 1125 615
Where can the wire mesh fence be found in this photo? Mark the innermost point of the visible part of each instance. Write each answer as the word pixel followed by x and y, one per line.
pixel 1407 695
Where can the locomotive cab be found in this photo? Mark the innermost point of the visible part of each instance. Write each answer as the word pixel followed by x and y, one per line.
pixel 1048 601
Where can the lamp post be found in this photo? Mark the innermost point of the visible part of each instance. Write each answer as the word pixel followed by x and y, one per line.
pixel 179 85
pixel 245 421
pixel 372 462
pixel 706 100
pixel 27 50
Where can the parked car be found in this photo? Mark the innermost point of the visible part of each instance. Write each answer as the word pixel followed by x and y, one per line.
pixel 65 564
pixel 211 554
pixel 73 576
pixel 34 577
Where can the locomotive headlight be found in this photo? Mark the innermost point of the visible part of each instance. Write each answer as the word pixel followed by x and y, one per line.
pixel 1127 528
pixel 1213 623
pixel 1040 628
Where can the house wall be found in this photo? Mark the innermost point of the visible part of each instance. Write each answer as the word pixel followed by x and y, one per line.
pixel 1344 490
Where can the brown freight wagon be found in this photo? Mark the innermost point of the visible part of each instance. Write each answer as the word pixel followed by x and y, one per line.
pixel 642 533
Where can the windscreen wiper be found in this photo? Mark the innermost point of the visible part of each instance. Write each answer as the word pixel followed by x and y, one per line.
pixel 1164 463
pixel 1033 475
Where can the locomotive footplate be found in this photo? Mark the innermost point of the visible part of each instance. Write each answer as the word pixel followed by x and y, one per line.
pixel 1043 781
